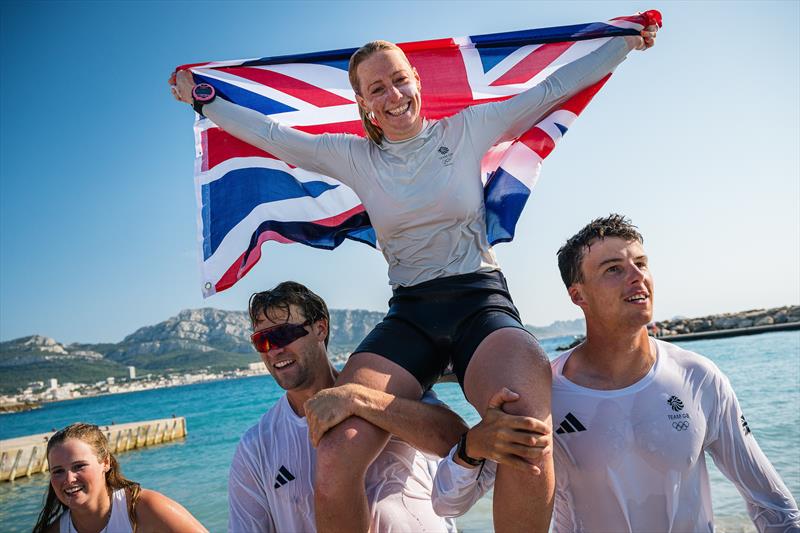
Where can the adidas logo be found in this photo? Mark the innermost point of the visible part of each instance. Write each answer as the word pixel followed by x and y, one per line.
pixel 745 425
pixel 283 477
pixel 570 424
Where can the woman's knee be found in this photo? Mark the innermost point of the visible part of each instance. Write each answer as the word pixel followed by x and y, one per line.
pixel 348 449
pixel 510 358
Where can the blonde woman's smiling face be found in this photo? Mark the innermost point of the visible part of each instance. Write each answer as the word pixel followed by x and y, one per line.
pixel 390 90
pixel 77 475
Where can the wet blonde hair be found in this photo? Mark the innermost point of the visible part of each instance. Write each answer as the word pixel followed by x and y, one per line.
pixel 91 435
pixel 373 131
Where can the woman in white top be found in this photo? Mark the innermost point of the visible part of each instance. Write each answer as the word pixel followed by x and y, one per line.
pixel 88 493
pixel 419 181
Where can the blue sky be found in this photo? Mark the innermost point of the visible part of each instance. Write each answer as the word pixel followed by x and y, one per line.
pixel 696 140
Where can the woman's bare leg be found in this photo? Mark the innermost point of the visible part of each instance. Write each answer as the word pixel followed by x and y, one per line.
pixel 512 358
pixel 347 450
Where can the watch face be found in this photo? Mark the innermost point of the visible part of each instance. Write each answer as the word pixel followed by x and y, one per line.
pixel 203 92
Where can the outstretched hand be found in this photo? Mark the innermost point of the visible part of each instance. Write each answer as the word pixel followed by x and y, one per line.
pixel 517 441
pixel 328 408
pixel 181 84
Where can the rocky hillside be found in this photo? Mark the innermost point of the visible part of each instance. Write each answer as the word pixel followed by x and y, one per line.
pixel 37 349
pixel 193 339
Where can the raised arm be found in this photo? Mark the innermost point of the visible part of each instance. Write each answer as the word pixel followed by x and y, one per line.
pixel 427 426
pixel 511 118
pixel 737 454
pixel 325 153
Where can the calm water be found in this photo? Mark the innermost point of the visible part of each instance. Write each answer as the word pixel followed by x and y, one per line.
pixel 764 370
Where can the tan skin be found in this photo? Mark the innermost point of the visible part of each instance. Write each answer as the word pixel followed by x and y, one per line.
pixel 389 88
pixel 616 296
pixel 78 479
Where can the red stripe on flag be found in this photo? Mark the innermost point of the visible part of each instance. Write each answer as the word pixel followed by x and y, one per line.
pixel 433 44
pixel 351 126
pixel 532 64
pixel 341 217
pixel 577 103
pixel 445 87
pixel 537 140
pixel 648 18
pixel 221 146
pixel 232 275
pixel 291 86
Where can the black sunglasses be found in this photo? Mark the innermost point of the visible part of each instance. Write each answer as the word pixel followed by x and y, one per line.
pixel 278 336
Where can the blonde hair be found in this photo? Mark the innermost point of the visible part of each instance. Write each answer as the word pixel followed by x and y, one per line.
pixel 373 131
pixel 91 435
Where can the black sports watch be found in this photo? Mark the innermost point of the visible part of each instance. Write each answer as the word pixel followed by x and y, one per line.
pixel 202 93
pixel 461 451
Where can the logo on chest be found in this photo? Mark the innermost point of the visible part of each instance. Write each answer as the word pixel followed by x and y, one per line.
pixel 570 424
pixel 445 156
pixel 283 477
pixel 680 421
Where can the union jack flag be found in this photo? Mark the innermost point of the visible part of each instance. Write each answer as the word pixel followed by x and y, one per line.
pixel 246 196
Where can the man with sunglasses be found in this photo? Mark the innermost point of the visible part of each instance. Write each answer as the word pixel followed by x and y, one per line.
pixel 271 482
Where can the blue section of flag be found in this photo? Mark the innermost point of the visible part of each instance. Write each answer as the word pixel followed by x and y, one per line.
pixel 365 235
pixel 240 191
pixel 491 56
pixel 577 32
pixel 562 128
pixel 505 197
pixel 244 98
pixel 333 58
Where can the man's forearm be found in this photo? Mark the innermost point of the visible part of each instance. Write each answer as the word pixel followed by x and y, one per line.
pixel 429 428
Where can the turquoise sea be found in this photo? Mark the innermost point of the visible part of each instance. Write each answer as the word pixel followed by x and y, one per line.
pixel 764 370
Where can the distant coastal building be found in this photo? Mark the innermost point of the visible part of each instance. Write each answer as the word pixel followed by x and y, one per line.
pixel 131 373
pixel 257 367
pixel 53 383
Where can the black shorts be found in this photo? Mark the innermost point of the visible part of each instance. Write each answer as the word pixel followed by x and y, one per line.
pixel 441 322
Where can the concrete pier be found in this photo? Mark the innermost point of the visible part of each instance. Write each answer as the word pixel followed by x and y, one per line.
pixel 24 456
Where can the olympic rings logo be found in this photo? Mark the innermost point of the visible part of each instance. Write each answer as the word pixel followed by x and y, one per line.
pixel 680 426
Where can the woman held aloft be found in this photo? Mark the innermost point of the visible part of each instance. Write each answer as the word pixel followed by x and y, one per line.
pixel 450 302
pixel 88 493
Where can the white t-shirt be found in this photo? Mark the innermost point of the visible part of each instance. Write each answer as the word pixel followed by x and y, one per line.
pixel 271 481
pixel 118 522
pixel 424 195
pixel 632 459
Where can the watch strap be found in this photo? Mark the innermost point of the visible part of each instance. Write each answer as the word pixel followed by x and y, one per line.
pixel 461 451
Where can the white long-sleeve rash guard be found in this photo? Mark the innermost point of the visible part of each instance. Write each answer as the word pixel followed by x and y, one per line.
pixel 271 480
pixel 424 195
pixel 633 459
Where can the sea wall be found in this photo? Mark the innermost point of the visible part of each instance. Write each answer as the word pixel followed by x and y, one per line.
pixel 728 321
pixel 25 456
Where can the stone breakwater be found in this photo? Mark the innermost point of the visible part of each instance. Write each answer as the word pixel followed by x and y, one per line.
pixel 727 321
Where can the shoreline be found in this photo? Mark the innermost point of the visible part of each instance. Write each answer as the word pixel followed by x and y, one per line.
pixel 733 332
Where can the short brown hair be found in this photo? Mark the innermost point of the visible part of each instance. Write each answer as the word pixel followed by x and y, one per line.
pixel 283 296
pixel 570 256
